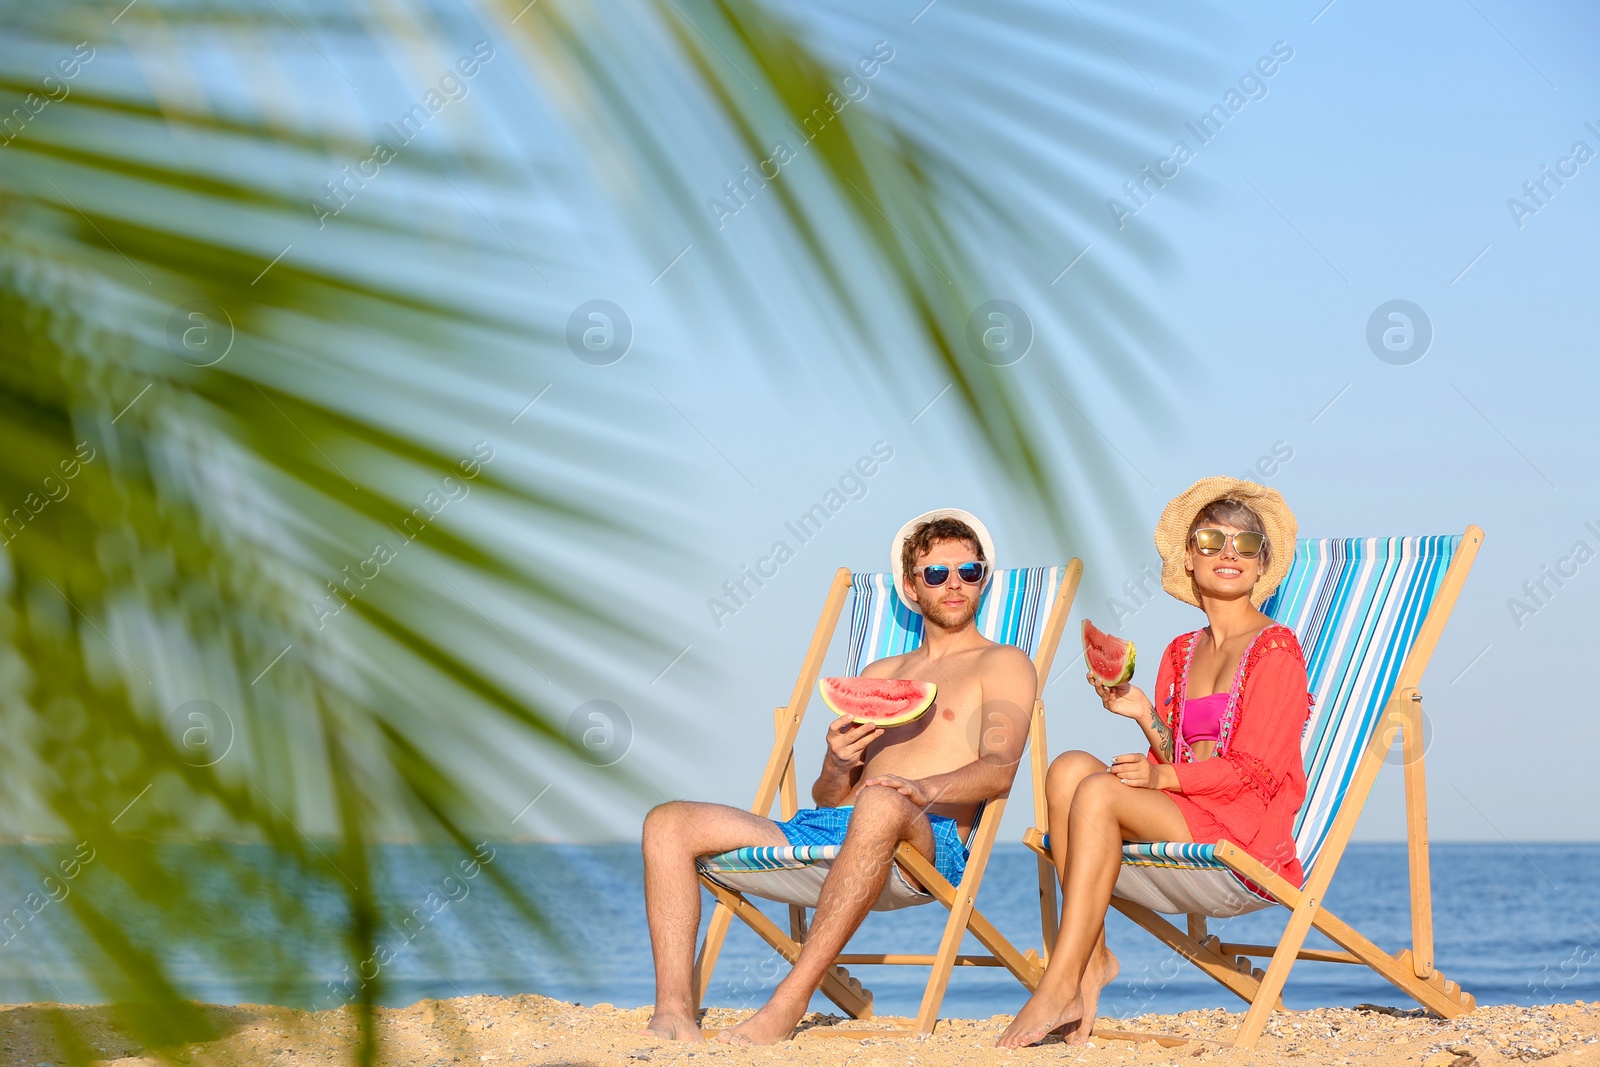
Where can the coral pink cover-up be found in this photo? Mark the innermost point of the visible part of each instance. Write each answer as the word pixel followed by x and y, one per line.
pixel 1250 789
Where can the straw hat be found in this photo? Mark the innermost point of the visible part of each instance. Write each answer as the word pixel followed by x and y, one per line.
pixel 898 544
pixel 1172 533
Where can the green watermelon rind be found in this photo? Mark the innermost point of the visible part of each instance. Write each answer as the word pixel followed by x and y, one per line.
pixel 1090 656
pixel 832 688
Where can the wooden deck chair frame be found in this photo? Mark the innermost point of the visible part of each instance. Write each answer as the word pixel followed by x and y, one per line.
pixel 779 783
pixel 1411 969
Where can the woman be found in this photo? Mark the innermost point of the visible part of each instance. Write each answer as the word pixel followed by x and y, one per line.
pixel 1224 733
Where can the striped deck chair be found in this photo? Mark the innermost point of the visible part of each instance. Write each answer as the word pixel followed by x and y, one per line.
pixel 1024 607
pixel 1368 613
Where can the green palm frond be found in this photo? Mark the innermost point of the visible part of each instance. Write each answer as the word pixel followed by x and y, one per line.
pixel 915 180
pixel 324 534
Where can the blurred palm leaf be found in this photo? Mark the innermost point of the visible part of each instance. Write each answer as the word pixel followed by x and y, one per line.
pixel 377 354
pixel 956 187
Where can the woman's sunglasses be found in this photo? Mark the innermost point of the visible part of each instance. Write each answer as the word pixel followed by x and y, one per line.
pixel 935 575
pixel 1247 543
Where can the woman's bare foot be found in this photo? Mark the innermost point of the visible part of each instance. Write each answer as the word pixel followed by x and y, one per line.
pixel 1041 1015
pixel 672 1027
pixel 775 1022
pixel 1101 971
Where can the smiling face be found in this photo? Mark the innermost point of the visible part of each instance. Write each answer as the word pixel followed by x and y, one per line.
pixel 955 603
pixel 1227 575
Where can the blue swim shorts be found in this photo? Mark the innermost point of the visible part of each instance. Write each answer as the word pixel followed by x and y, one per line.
pixel 826 826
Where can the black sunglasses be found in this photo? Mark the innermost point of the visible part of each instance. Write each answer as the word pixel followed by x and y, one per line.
pixel 935 575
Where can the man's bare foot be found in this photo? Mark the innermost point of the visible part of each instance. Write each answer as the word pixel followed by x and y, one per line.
pixel 775 1022
pixel 1101 971
pixel 1038 1017
pixel 671 1027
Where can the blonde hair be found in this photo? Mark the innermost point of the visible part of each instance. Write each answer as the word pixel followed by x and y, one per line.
pixel 1238 514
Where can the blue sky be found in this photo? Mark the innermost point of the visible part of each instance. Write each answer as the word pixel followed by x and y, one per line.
pixel 1377 167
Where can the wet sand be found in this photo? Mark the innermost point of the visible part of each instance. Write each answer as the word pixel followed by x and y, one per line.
pixel 533 1031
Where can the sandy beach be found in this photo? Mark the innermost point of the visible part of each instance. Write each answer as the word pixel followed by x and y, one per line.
pixel 533 1031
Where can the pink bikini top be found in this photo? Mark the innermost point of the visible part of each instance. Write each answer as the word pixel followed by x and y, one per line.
pixel 1202 717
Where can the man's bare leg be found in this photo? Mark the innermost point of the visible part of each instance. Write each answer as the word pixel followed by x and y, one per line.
pixel 674 834
pixel 1105 812
pixel 881 820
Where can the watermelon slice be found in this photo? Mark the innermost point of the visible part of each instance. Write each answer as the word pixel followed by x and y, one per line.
pixel 1110 658
pixel 878 701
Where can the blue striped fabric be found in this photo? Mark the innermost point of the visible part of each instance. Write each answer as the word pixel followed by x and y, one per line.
pixel 1356 605
pixel 1170 854
pixel 1186 854
pixel 1013 611
pixel 768 858
pixel 794 874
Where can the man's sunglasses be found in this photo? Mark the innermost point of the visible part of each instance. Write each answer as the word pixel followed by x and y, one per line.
pixel 1247 543
pixel 935 575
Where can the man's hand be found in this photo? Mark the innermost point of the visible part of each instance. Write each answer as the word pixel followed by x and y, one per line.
pixel 1136 770
pixel 848 740
pixel 910 788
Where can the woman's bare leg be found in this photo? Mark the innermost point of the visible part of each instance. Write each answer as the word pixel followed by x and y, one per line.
pixel 1104 814
pixel 1061 783
pixel 1067 771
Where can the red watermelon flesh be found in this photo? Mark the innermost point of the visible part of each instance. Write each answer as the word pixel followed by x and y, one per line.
pixel 878 701
pixel 1110 658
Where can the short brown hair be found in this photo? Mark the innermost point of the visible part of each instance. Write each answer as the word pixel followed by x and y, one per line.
pixel 1236 513
pixel 927 534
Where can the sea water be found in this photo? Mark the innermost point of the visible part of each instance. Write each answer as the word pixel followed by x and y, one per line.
pixel 1513 924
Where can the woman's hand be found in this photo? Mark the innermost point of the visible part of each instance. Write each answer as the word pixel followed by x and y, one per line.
pixel 1135 770
pixel 1130 702
pixel 1127 700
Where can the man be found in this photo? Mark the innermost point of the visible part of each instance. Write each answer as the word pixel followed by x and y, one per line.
pixel 921 782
